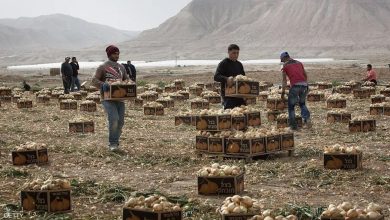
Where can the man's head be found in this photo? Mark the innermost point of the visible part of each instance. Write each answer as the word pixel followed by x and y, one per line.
pixel 369 67
pixel 67 59
pixel 112 53
pixel 74 59
pixel 234 52
pixel 129 62
pixel 284 57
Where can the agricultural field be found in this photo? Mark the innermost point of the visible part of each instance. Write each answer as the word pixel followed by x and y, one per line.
pixel 158 157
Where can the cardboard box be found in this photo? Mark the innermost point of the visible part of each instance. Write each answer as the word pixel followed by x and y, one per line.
pixel 343 161
pixel 196 91
pixel 273 143
pixel 149 98
pixel 138 102
pixel 216 145
pixel 338 117
pixel 83 93
pixel 185 94
pixel 77 96
pixel 342 103
pixel 362 126
pixel 253 146
pixel 251 101
pixel 377 110
pixel 239 122
pixel 214 99
pixel 202 143
pixel 82 127
pixel 20 158
pixel 276 104
pixel 178 97
pixel 167 104
pixel 6 98
pixel 386 111
pixel 377 100
pixel 385 93
pixel 5 92
pixel 43 99
pixel 287 141
pixel 263 97
pixel 137 214
pixel 186 120
pixel 53 201
pixel 25 104
pixel 253 119
pixel 243 89
pixel 121 92
pixel 15 99
pixel 361 93
pixel 344 89
pixel 154 111
pixel 284 123
pixel 315 97
pixel 169 89
pixel 227 185
pixel 213 122
pixel 95 99
pixel 238 216
pixel 88 107
pixel 273 115
pixel 180 84
pixel 200 105
pixel 324 86
pixel 68 105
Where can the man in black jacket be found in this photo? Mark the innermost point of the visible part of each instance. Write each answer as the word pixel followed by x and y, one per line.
pixel 75 75
pixel 226 71
pixel 130 70
pixel 66 73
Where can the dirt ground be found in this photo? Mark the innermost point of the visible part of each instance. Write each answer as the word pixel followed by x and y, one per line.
pixel 159 157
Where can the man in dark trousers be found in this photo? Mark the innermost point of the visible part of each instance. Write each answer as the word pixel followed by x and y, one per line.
pixel 75 75
pixel 130 70
pixel 297 95
pixel 66 73
pixel 226 71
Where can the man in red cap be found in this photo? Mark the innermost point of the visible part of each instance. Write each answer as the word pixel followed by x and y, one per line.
pixel 110 71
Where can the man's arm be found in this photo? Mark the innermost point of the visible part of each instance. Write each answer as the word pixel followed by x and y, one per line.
pixel 219 74
pixel 305 74
pixel 242 69
pixel 97 78
pixel 284 83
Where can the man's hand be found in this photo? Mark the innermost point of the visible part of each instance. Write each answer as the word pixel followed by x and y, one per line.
pixel 230 81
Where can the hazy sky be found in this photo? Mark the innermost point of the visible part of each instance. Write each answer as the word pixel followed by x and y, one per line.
pixel 123 14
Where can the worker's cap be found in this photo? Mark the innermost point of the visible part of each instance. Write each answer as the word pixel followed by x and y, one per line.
pixel 283 55
pixel 67 58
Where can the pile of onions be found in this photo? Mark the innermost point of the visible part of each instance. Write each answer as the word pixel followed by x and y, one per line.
pixel 155 203
pixel 348 211
pixel 219 170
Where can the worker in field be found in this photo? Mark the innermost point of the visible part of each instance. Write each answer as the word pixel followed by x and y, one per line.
pixel 75 75
pixel 131 71
pixel 111 70
pixel 226 71
pixel 66 73
pixel 371 75
pixel 295 72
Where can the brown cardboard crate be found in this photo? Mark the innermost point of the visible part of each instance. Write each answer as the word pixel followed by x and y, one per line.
pixel 149 98
pixel 239 122
pixel 180 84
pixel 342 103
pixel 253 119
pixel 385 93
pixel 376 100
pixel 214 99
pixel 53 201
pixel 213 122
pixel 15 98
pixel 377 110
pixel 25 104
pixel 361 93
pixel 185 94
pixel 88 107
pixel 200 105
pixel 362 126
pixel 196 91
pixel 315 97
pixel 6 99
pixel 284 123
pixel 253 146
pixel 167 103
pixel 216 145
pixel 169 89
pixel 287 140
pixel 262 97
pixel 202 143
pixel 83 93
pixel 273 143
pixel 273 115
pixel 276 104
pixel 43 99
pixel 68 105
pixel 5 92
pixel 20 158
pixel 186 120
pixel 386 111
pixel 121 92
pixel 82 127
pixel 325 86
pixel 338 117
pixel 137 214
pixel 344 89
pixel 153 111
pixel 227 185
pixel 237 216
pixel 77 96
pixel 343 161
pixel 243 89
pixel 138 102
pixel 178 97
pixel 95 99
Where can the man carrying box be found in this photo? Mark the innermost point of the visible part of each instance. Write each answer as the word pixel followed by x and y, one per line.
pixel 228 69
pixel 296 73
pixel 111 71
